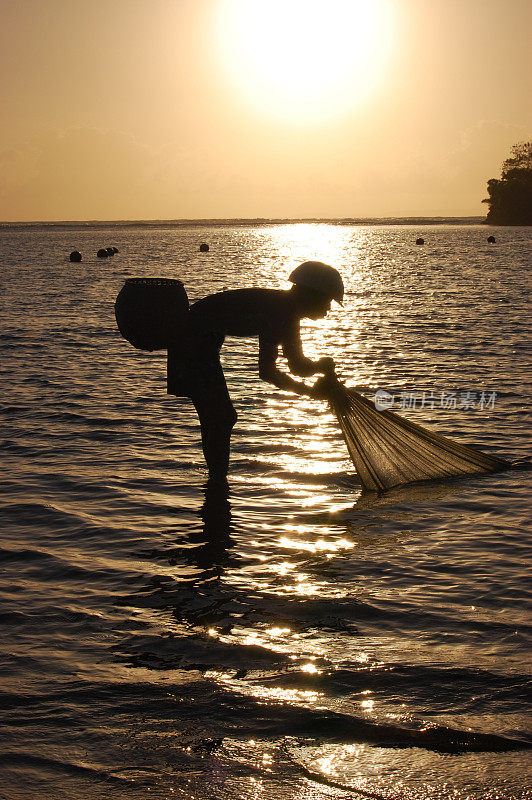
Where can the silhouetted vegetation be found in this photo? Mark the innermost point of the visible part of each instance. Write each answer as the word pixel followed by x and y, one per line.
pixel 510 198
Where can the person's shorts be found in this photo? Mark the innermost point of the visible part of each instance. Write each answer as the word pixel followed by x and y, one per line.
pixel 194 370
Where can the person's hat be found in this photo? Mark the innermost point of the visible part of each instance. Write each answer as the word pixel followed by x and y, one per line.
pixel 320 277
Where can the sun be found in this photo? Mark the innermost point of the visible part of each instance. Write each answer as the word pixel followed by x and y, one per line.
pixel 305 59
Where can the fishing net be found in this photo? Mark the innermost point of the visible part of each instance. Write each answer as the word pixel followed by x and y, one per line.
pixel 388 450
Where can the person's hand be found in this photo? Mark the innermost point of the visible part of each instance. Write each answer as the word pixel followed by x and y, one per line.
pixel 326 365
pixel 321 390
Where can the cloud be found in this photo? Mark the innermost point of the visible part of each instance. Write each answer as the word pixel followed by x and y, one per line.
pixel 483 148
pixel 447 182
pixel 88 173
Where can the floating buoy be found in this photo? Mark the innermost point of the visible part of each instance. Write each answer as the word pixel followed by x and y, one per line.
pixel 204 247
pixel 102 253
pixel 491 239
pixel 75 255
pixel 115 249
pixel 110 251
pixel 420 241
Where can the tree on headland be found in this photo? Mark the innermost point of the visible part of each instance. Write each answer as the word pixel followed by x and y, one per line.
pixel 510 198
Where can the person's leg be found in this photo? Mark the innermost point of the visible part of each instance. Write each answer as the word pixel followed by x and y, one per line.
pixel 208 392
pixel 217 418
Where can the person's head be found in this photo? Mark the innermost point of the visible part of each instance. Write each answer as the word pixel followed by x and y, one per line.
pixel 316 285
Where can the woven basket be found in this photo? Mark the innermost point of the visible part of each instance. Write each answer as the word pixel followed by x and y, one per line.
pixel 151 312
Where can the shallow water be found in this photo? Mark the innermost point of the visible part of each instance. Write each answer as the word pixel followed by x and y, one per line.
pixel 294 641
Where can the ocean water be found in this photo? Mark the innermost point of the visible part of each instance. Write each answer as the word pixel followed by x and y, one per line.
pixel 295 641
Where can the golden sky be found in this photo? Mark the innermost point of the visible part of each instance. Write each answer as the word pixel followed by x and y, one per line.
pixel 165 109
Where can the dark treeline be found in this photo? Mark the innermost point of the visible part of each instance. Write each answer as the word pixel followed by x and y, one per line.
pixel 510 198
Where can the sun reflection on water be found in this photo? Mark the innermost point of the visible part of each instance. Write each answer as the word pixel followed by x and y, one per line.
pixel 318 546
pixel 286 695
pixel 311 669
pixel 312 242
pixel 329 764
pixel 282 569
pixel 278 631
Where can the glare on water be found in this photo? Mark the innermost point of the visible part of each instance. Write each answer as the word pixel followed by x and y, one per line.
pixel 312 630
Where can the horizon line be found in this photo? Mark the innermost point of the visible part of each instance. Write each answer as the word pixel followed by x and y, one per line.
pixel 417 219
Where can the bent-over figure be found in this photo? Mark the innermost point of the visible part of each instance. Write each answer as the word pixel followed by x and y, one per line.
pixel 194 368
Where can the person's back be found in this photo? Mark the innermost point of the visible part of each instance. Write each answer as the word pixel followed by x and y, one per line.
pixel 245 312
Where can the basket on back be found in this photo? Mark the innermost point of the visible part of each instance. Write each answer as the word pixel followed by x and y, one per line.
pixel 151 312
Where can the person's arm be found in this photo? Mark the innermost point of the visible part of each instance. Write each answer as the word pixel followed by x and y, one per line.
pixel 298 363
pixel 268 371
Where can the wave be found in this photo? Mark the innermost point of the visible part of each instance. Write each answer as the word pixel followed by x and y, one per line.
pixel 231 714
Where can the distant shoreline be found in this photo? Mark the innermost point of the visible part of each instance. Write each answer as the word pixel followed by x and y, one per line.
pixel 244 222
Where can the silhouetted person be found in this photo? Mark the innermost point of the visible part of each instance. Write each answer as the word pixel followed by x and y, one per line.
pixel 194 368
pixel 75 256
